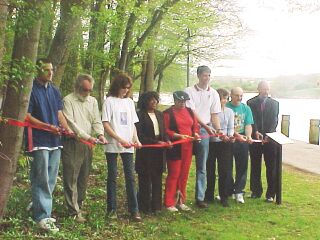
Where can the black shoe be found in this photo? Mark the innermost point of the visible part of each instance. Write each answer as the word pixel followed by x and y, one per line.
pixel 202 204
pixel 255 196
pixel 136 217
pixel 225 203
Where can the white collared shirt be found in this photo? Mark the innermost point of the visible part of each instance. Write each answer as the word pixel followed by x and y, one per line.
pixel 204 102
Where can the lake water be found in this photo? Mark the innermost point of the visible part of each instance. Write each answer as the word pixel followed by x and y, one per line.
pixel 300 111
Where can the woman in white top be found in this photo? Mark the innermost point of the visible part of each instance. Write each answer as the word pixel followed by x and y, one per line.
pixel 119 118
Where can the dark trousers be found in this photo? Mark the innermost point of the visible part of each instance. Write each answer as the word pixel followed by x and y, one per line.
pixel 220 152
pixel 127 161
pixel 269 151
pixel 150 191
pixel 241 155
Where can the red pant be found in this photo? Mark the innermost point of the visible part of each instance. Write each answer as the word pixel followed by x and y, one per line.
pixel 178 172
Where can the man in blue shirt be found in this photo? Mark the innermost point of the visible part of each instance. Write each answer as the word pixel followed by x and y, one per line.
pixel 243 129
pixel 45 111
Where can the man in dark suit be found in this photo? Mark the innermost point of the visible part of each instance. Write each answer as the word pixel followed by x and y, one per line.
pixel 265 112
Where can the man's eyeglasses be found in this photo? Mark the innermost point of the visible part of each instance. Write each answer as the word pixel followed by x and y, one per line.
pixel 86 90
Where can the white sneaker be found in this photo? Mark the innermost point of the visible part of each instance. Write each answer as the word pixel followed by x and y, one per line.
pixel 269 199
pixel 218 197
pixel 28 208
pixel 172 209
pixel 233 196
pixel 48 225
pixel 239 198
pixel 183 207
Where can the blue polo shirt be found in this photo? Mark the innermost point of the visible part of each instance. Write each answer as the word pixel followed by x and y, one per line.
pixel 45 102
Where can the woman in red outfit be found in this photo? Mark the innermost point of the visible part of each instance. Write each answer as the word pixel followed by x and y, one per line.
pixel 180 123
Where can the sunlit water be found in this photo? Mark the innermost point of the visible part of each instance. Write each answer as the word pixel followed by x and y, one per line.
pixel 300 111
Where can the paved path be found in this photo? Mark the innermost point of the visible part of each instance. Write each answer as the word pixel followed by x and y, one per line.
pixel 302 155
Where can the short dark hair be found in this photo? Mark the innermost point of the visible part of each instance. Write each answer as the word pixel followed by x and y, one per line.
pixel 223 92
pixel 40 62
pixel 202 69
pixel 145 98
pixel 119 81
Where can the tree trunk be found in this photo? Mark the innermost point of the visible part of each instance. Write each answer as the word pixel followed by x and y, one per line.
pixel 159 82
pixel 17 99
pixel 102 85
pixel 65 33
pixel 143 74
pixel 149 80
pixel 128 35
pixel 46 33
pixel 71 71
pixel 155 21
pixel 3 22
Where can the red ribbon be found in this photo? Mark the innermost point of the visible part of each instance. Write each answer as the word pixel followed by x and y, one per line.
pixel 29 125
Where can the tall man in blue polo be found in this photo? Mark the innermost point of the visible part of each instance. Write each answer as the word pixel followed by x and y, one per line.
pixel 243 130
pixel 205 103
pixel 45 110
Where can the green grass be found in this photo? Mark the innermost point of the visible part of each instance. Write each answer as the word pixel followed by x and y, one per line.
pixel 297 218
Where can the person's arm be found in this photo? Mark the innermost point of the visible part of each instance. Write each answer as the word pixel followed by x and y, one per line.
pixel 172 134
pixel 135 137
pixel 216 122
pixel 41 124
pixel 202 124
pixel 96 121
pixel 68 114
pixel 109 130
pixel 63 122
pixel 275 117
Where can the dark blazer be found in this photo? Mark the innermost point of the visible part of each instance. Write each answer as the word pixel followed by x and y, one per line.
pixel 150 159
pixel 265 121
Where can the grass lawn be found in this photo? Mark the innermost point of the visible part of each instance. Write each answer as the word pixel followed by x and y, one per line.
pixel 297 218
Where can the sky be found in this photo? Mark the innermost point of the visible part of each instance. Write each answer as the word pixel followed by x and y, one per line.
pixel 282 39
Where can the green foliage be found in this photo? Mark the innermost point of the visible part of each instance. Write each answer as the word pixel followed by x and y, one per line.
pixel 21 69
pixel 297 217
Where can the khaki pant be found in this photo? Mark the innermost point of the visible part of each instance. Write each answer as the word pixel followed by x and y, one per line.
pixel 76 163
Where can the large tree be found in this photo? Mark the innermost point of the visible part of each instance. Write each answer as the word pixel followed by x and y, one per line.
pixel 3 20
pixel 18 92
pixel 70 21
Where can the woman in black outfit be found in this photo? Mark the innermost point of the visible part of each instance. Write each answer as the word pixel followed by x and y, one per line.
pixel 150 161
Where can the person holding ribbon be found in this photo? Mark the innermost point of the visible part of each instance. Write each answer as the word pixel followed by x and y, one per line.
pixel 181 125
pixel 119 118
pixel 265 112
pixel 150 160
pixel 220 151
pixel 82 114
pixel 243 130
pixel 205 102
pixel 44 144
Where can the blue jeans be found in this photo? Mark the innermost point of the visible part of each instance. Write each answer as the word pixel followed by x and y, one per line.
pixel 241 155
pixel 128 167
pixel 43 177
pixel 201 162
